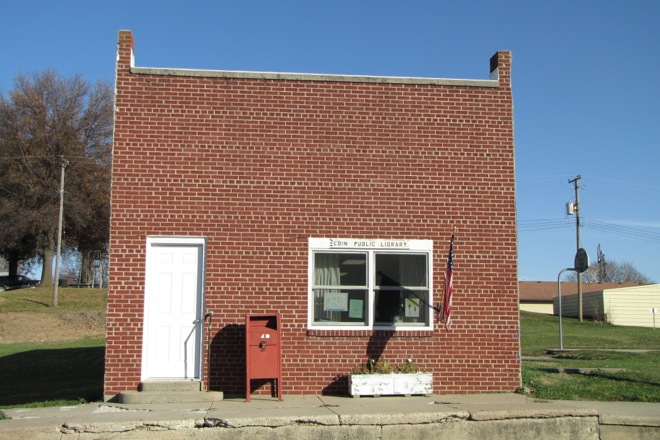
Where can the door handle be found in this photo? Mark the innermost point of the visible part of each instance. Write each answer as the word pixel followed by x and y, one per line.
pixel 197 321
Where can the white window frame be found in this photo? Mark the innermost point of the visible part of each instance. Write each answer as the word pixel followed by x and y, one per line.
pixel 371 247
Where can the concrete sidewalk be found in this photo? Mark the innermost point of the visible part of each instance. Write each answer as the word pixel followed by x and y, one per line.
pixel 493 416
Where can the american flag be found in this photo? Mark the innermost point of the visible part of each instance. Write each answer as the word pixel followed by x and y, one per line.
pixel 449 285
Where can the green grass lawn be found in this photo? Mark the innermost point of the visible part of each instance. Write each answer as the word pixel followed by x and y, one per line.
pixel 69 373
pixel 590 345
pixel 51 374
pixel 41 299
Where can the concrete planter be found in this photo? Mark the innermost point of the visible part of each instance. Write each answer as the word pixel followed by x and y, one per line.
pixel 394 384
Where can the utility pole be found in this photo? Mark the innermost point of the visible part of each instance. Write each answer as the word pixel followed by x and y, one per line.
pixel 602 270
pixel 59 234
pixel 578 208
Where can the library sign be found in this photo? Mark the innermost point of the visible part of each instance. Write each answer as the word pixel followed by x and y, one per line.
pixel 369 244
pixel 349 243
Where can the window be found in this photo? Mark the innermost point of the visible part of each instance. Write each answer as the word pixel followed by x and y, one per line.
pixel 361 284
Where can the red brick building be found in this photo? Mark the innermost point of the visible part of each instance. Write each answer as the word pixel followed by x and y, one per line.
pixel 328 199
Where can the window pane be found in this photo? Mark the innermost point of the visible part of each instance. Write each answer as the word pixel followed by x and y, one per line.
pixel 401 270
pixel 409 307
pixel 335 269
pixel 336 307
pixel 380 288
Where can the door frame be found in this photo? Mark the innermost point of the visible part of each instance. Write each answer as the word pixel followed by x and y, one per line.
pixel 164 241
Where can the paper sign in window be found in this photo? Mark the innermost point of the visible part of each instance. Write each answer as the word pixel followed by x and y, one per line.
pixel 412 308
pixel 335 301
pixel 356 309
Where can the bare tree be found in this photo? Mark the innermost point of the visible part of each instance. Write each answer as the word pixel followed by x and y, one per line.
pixel 613 272
pixel 47 119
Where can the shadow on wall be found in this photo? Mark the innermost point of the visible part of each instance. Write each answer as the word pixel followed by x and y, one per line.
pixel 227 361
pixel 375 349
pixel 378 343
pixel 227 364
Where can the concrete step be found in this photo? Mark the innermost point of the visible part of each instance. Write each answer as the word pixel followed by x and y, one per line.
pixel 170 391
pixel 170 386
pixel 142 397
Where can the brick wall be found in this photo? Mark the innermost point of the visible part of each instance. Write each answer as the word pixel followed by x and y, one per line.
pixel 259 164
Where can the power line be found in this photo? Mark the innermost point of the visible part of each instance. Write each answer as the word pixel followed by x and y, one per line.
pixel 623 231
pixel 535 225
pixel 542 224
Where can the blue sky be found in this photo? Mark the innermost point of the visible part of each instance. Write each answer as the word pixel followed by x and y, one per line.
pixel 585 83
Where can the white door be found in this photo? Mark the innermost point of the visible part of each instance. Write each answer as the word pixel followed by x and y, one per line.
pixel 173 309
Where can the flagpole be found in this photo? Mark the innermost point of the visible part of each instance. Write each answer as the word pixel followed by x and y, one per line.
pixel 449 275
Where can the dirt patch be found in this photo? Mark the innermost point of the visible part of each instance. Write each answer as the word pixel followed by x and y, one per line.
pixel 60 325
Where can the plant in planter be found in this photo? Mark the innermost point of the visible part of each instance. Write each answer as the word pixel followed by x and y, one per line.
pixel 380 378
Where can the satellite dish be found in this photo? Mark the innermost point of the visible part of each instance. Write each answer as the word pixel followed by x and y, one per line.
pixel 581 262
